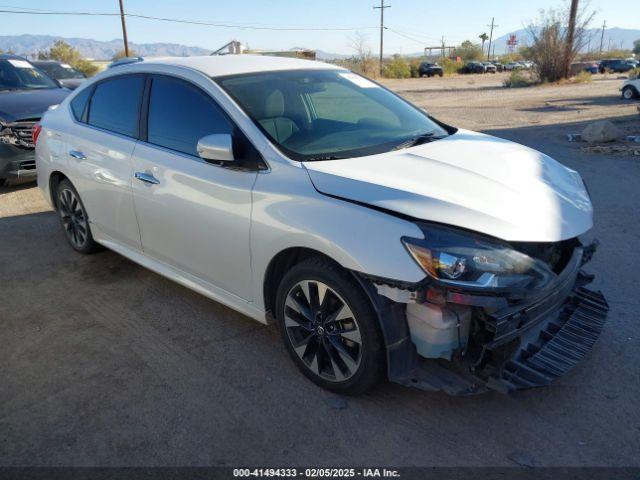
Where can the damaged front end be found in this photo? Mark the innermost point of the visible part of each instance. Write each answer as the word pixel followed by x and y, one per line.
pixel 17 153
pixel 489 314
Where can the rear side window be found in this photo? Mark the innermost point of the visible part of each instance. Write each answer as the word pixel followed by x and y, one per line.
pixel 115 105
pixel 180 115
pixel 79 103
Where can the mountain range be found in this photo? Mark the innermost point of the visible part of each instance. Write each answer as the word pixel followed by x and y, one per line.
pixel 29 45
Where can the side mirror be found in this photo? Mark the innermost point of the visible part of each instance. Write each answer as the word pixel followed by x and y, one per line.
pixel 217 147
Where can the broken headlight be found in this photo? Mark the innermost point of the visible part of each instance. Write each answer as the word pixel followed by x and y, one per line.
pixel 460 259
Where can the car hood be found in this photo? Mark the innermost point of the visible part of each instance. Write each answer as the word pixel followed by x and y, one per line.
pixel 468 180
pixel 26 104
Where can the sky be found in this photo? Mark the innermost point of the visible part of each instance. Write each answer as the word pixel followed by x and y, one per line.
pixel 411 23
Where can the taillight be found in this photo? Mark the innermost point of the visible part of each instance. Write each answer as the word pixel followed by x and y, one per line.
pixel 35 132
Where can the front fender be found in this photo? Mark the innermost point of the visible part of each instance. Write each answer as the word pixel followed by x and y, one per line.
pixel 357 237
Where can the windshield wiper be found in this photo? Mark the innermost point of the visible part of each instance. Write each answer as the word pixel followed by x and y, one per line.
pixel 417 140
pixel 320 158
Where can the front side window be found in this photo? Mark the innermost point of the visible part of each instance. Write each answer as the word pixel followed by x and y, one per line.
pixel 180 115
pixel 115 104
pixel 16 74
pixel 327 114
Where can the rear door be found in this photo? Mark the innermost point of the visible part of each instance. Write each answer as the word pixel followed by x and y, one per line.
pixel 193 215
pixel 100 143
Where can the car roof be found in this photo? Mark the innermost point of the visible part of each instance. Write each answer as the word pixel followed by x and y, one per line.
pixel 11 56
pixel 220 65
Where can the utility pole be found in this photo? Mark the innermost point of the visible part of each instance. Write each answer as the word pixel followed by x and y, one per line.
pixel 604 25
pixel 571 31
pixel 381 7
pixel 124 30
pixel 443 46
pixel 491 37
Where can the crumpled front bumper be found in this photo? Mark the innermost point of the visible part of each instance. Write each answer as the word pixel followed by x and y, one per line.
pixel 526 344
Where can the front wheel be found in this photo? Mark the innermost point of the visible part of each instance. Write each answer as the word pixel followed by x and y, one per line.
pixel 628 93
pixel 74 219
pixel 330 327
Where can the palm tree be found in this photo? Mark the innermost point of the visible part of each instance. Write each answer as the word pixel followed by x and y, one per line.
pixel 484 37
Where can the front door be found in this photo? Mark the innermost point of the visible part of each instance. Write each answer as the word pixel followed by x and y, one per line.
pixel 193 215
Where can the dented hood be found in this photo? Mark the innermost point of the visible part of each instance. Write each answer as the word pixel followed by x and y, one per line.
pixel 469 180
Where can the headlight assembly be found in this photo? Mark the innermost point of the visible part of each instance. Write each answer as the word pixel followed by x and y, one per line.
pixel 461 259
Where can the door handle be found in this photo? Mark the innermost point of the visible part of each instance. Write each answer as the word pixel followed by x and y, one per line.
pixel 77 154
pixel 147 178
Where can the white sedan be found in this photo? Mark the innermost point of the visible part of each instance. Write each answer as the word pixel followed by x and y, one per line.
pixel 382 241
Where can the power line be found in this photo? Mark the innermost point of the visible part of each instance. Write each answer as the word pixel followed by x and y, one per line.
pixel 124 30
pixel 185 21
pixel 491 38
pixel 381 7
pixel 604 25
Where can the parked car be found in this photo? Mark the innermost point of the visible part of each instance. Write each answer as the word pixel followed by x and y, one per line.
pixel 473 67
pixel 25 93
pixel 512 66
pixel 591 68
pixel 64 73
pixel 499 66
pixel 430 69
pixel 615 65
pixel 489 67
pixel 380 240
pixel 631 89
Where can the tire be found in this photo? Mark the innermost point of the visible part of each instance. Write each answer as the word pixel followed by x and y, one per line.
pixel 440 74
pixel 337 344
pixel 2 181
pixel 74 219
pixel 629 93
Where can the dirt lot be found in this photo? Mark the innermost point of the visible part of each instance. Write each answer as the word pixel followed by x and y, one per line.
pixel 103 362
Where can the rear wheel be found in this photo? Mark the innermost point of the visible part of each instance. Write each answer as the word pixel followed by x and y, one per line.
pixel 329 327
pixel 74 219
pixel 628 93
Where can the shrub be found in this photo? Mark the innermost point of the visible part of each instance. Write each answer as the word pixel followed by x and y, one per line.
pixel 635 73
pixel 397 68
pixel 450 67
pixel 582 77
pixel 518 79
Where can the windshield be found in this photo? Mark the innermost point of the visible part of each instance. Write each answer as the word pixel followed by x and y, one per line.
pixel 328 114
pixel 59 71
pixel 20 74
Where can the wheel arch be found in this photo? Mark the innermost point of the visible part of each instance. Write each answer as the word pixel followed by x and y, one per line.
pixel 55 178
pixel 278 267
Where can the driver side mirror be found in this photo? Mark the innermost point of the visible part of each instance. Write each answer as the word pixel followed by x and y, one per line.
pixel 216 147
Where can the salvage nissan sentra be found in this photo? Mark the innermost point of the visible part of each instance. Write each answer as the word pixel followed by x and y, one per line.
pixel 382 241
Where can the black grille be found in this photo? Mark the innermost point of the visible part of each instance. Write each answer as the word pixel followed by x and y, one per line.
pixel 23 132
pixel 28 165
pixel 562 344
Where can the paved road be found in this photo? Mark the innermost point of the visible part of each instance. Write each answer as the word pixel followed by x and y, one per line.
pixel 103 362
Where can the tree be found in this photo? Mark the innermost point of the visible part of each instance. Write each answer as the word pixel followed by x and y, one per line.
pixel 65 53
pixel 636 47
pixel 469 51
pixel 552 50
pixel 363 62
pixel 120 54
pixel 484 37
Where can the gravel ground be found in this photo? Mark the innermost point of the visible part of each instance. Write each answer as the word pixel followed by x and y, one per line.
pixel 105 363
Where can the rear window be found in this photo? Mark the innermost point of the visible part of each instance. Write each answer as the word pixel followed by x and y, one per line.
pixel 115 105
pixel 79 103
